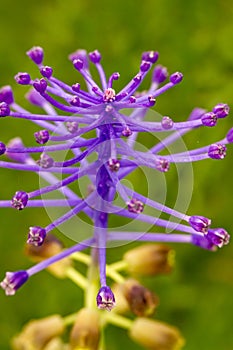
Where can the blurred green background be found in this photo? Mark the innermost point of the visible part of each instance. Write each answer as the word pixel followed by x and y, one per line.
pixel 194 37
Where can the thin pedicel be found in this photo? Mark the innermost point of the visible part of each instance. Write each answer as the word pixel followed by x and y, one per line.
pixel 99 109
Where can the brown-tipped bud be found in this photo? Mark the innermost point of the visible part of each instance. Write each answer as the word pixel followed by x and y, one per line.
pixel 50 247
pixel 37 333
pixel 142 301
pixel 156 335
pixel 85 333
pixel 149 260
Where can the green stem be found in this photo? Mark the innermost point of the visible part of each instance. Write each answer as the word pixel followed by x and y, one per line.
pixel 76 277
pixel 119 265
pixel 118 320
pixel 81 257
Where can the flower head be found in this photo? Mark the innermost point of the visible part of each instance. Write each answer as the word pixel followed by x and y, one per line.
pixel 13 281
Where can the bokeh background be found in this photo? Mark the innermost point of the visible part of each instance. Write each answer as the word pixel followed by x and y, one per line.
pixel 194 37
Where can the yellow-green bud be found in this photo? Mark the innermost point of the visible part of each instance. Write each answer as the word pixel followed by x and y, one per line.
pixel 56 344
pixel 85 333
pixel 149 260
pixel 155 335
pixel 142 302
pixel 37 333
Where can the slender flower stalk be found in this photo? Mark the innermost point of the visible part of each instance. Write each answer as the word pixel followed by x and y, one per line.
pixel 114 119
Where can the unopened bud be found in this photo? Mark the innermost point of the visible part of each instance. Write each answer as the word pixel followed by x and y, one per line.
pixel 149 260
pixel 85 333
pixel 37 333
pixel 156 335
pixel 142 301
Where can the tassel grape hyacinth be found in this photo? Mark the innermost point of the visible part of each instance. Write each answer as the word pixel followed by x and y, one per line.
pixel 98 129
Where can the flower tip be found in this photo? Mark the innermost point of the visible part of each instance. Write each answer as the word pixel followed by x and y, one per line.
pixel 218 237
pixel 199 223
pixel 22 78
pixel 95 56
pixel 4 109
pixel 42 136
pixel 150 56
pixel 135 206
pixel 78 64
pixel 19 201
pixel 40 85
pixel 45 161
pixel 13 281
pixel 176 78
pixel 145 66
pixel 36 54
pixel 167 123
pixel 221 110
pixel 209 119
pixel 6 95
pixel 2 148
pixel 160 74
pixel 46 71
pixel 36 236
pixel 217 151
pixel 105 298
pixel 162 165
pixel 113 164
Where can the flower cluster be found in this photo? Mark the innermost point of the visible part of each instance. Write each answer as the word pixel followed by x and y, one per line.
pixel 99 128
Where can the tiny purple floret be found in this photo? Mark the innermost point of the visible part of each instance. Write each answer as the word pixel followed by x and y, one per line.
pixel 45 161
pixel 4 109
pixel 36 236
pixel 41 136
pixel 209 119
pixel 95 56
pixel 162 165
pixel 167 123
pixel 160 74
pixel 221 110
pixel 46 71
pixel 13 281
pixel 135 206
pixel 6 95
pixel 2 148
pixel 36 54
pixel 150 56
pixel 105 298
pixel 199 223
pixel 176 78
pixel 40 85
pixel 217 151
pixel 218 237
pixel 23 78
pixel 229 136
pixel 114 164
pixel 19 201
pixel 72 127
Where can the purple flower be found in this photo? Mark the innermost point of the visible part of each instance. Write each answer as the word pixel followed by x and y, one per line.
pixel 100 136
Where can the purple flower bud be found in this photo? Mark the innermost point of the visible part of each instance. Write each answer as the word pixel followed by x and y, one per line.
pixel 159 74
pixel 72 127
pixel 202 242
pixel 4 109
pixel 105 298
pixel 76 87
pixel 42 136
pixel 35 98
pixel 126 132
pixel 40 85
pixel 109 95
pixel 17 157
pixel 209 119
pixel 75 101
pixel 176 78
pixel 218 237
pixel 145 66
pixel 2 148
pixel 229 136
pixel 81 55
pixel 199 223
pixel 36 236
pixel 45 161
pixel 78 64
pixel 221 110
pixel 6 95
pixel 162 165
pixel 196 113
pixel 150 56
pixel 135 206
pixel 46 71
pixel 36 54
pixel 13 281
pixel 167 123
pixel 132 99
pixel 19 201
pixel 23 78
pixel 217 151
pixel 114 164
pixel 151 102
pixel 95 56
